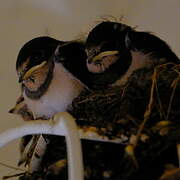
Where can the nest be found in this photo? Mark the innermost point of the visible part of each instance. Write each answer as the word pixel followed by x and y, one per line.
pixel 144 113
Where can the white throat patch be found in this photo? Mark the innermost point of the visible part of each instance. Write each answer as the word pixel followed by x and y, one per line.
pixel 59 95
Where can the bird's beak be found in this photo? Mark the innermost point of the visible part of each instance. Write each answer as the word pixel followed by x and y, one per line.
pixel 24 76
pixel 102 55
pixel 15 108
pixel 11 110
pixel 19 104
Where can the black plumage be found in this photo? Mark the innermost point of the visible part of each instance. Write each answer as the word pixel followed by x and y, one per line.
pixel 115 50
pixel 33 53
pixel 37 49
pixel 73 57
pixel 148 43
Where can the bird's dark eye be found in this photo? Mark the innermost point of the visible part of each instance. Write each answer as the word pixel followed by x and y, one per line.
pixel 60 54
pixel 91 51
pixel 107 46
pixel 104 46
pixel 62 58
pixel 37 56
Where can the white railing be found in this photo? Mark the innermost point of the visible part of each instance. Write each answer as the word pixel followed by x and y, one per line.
pixel 63 124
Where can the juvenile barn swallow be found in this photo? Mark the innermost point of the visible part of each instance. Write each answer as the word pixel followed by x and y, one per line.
pixel 49 71
pixel 115 50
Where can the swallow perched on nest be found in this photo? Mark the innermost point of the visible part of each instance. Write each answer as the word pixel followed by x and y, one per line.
pixel 115 50
pixel 50 72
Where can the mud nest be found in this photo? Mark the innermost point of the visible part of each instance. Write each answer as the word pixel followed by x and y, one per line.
pixel 144 113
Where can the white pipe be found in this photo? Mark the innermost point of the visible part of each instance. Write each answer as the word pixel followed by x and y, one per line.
pixel 62 124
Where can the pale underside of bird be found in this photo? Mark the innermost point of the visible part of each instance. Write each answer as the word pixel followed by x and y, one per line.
pixel 59 95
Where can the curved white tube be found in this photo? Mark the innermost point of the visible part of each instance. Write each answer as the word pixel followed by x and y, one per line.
pixel 62 124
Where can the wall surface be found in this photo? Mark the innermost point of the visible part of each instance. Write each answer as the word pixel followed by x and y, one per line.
pixel 66 20
pixel 159 17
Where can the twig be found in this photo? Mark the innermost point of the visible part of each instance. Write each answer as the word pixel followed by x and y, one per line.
pixel 175 82
pixel 149 108
pixel 162 112
pixel 11 167
pixel 91 97
pixel 15 175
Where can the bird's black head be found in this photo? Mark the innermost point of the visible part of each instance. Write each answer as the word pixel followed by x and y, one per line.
pixel 105 44
pixel 73 57
pixel 108 52
pixel 108 36
pixel 34 52
pixel 34 64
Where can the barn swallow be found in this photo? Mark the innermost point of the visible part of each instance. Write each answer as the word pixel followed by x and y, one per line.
pixel 115 50
pixel 49 71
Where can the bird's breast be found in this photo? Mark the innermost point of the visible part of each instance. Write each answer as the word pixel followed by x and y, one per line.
pixel 59 95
